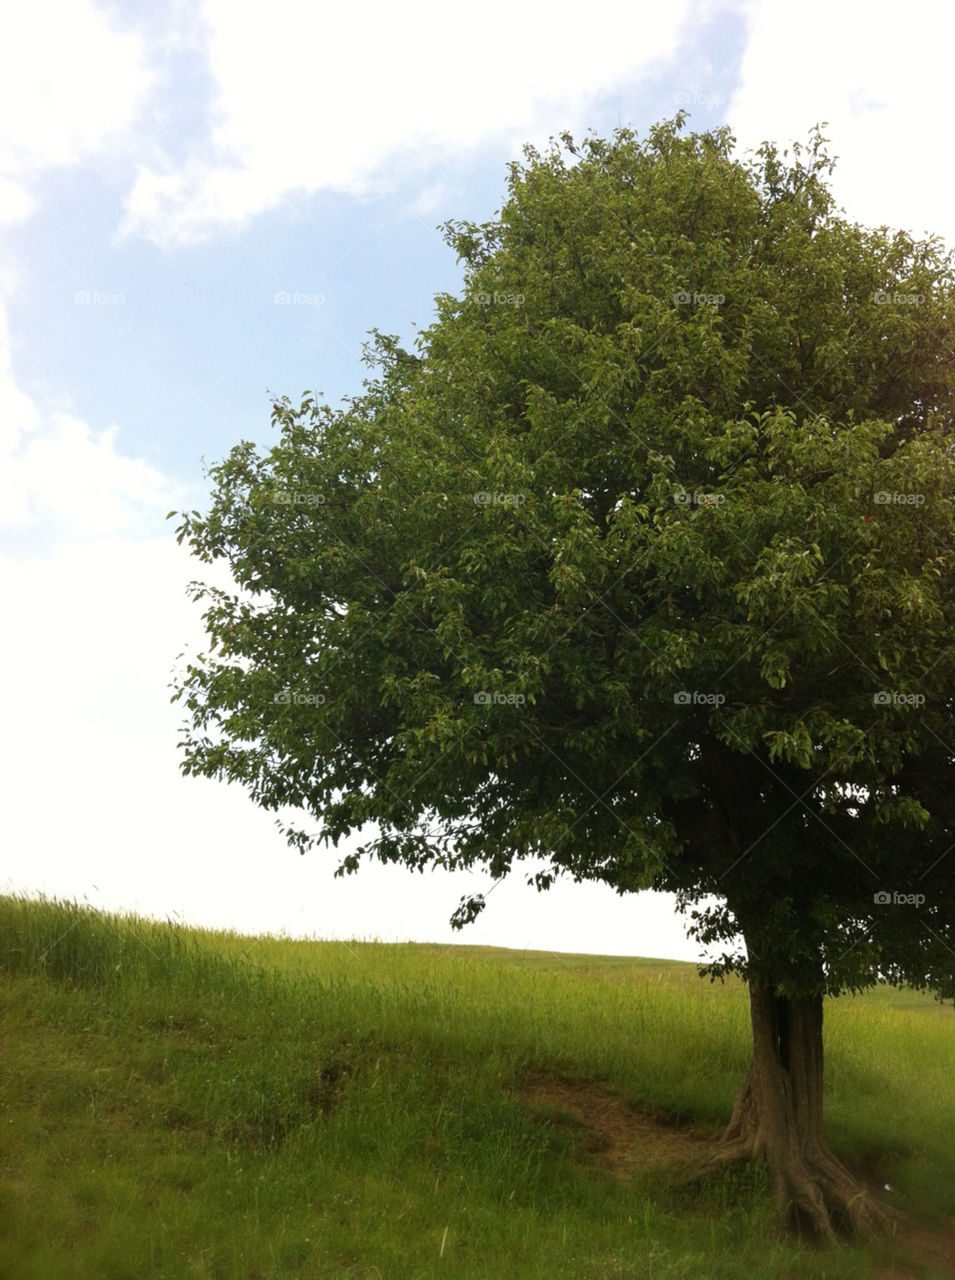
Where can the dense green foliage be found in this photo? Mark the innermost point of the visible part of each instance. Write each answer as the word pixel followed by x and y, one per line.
pixel 189 1106
pixel 642 564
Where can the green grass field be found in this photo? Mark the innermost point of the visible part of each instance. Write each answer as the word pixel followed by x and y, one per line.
pixel 177 1103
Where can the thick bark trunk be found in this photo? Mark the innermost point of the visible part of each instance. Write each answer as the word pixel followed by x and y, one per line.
pixel 777 1118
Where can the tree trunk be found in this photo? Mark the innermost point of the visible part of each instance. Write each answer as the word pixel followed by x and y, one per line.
pixel 777 1117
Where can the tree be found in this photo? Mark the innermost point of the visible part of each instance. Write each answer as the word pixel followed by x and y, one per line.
pixel 640 563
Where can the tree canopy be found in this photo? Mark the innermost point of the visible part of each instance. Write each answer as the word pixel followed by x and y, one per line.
pixel 640 562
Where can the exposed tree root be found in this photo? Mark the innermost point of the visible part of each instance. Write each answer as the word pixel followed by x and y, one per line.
pixel 777 1120
pixel 816 1194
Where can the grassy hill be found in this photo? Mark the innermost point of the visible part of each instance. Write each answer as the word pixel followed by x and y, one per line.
pixel 178 1103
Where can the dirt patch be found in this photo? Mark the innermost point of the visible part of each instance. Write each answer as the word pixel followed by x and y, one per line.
pixel 919 1251
pixel 626 1141
pixel 620 1138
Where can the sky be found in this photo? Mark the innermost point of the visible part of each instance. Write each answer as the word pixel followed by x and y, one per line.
pixel 168 168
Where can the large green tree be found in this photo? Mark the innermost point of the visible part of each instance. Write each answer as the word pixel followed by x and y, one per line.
pixel 640 563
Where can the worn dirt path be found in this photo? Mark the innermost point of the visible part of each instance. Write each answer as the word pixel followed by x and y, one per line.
pixel 624 1139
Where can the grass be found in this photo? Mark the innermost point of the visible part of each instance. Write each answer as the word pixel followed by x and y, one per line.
pixel 178 1103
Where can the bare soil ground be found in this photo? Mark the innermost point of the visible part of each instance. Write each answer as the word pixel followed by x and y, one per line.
pixel 619 1138
pixel 625 1140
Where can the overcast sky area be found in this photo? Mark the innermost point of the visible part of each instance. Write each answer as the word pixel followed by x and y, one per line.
pixel 166 169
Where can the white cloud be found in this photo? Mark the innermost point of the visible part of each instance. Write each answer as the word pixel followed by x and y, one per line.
pixel 59 475
pixel 16 203
pixel 321 98
pixel 68 84
pixel 18 413
pixel 73 480
pixel 881 77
